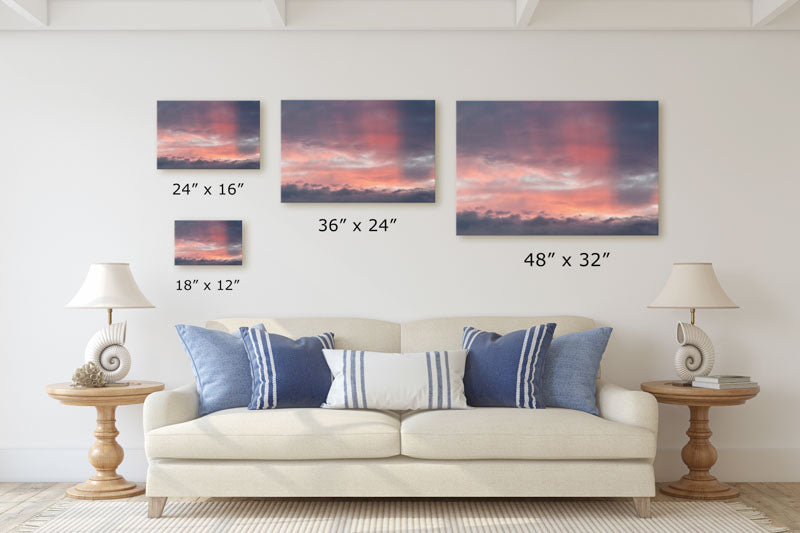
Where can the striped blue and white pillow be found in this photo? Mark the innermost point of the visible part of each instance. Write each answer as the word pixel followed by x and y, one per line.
pixel 376 380
pixel 286 372
pixel 506 371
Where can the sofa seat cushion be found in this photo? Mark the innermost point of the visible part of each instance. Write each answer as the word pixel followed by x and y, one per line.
pixel 509 433
pixel 280 434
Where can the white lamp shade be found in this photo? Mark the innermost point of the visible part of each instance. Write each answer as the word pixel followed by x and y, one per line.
pixel 109 286
pixel 693 285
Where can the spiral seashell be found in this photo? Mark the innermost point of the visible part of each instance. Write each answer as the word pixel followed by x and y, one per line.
pixel 695 357
pixel 106 350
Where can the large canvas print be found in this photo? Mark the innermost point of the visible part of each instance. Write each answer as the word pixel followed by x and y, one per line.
pixel 557 168
pixel 358 151
pixel 209 134
pixel 208 242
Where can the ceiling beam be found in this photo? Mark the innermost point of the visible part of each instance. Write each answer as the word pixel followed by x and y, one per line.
pixel 527 15
pixel 525 9
pixel 642 15
pixel 34 11
pixel 400 14
pixel 277 11
pixel 119 15
pixel 765 11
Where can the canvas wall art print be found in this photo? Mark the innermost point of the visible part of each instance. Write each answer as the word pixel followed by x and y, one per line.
pixel 209 134
pixel 557 168
pixel 358 151
pixel 208 242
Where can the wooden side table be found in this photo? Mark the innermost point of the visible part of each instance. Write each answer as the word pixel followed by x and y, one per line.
pixel 106 454
pixel 698 454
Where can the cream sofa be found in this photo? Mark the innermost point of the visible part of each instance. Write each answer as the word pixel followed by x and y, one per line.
pixel 480 452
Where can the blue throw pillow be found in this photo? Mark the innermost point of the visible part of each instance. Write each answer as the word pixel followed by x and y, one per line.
pixel 286 372
pixel 220 365
pixel 506 371
pixel 571 369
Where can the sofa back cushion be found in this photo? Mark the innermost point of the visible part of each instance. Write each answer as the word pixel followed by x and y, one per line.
pixel 417 336
pixel 446 333
pixel 351 333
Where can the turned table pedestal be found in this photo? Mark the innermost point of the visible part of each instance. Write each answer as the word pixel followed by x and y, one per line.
pixel 106 454
pixel 698 454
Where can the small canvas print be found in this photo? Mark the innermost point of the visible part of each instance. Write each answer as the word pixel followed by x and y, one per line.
pixel 358 151
pixel 209 134
pixel 208 242
pixel 557 168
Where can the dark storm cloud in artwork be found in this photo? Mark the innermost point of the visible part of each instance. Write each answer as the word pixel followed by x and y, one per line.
pixel 557 167
pixel 358 150
pixel 472 223
pixel 299 193
pixel 209 134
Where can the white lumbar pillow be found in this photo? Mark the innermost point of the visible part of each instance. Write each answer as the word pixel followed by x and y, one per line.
pixel 396 381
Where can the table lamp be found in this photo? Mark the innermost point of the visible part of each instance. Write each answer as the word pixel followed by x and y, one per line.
pixel 109 286
pixel 693 286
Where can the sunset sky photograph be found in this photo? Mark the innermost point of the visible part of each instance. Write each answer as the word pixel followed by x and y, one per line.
pixel 208 242
pixel 209 134
pixel 557 168
pixel 358 151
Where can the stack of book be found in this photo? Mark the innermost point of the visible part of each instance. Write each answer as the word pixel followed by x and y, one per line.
pixel 723 382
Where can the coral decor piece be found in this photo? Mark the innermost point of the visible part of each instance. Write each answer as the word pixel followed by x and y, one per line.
pixel 106 350
pixel 89 375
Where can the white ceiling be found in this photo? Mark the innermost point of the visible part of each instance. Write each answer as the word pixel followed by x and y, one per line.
pixel 399 14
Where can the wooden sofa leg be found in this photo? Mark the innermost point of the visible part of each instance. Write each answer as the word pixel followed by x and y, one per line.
pixel 642 506
pixel 155 506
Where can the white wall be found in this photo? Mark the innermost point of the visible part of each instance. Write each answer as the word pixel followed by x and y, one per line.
pixel 77 160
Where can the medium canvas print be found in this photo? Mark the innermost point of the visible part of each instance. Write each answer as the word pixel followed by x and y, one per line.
pixel 208 242
pixel 358 151
pixel 209 134
pixel 557 168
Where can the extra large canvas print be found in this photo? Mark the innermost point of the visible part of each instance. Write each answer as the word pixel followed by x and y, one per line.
pixel 208 242
pixel 358 151
pixel 557 168
pixel 209 134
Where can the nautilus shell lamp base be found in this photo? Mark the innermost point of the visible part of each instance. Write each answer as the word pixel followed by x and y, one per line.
pixel 107 350
pixel 695 355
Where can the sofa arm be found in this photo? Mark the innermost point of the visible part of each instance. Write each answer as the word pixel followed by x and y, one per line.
pixel 635 408
pixel 170 407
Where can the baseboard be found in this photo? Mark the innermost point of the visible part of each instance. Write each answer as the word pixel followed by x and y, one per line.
pixel 53 464
pixel 66 464
pixel 738 464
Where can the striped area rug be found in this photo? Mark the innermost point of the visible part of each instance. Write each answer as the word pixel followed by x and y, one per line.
pixel 564 516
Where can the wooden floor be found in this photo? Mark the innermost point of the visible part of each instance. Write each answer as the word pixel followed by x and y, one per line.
pixel 21 501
